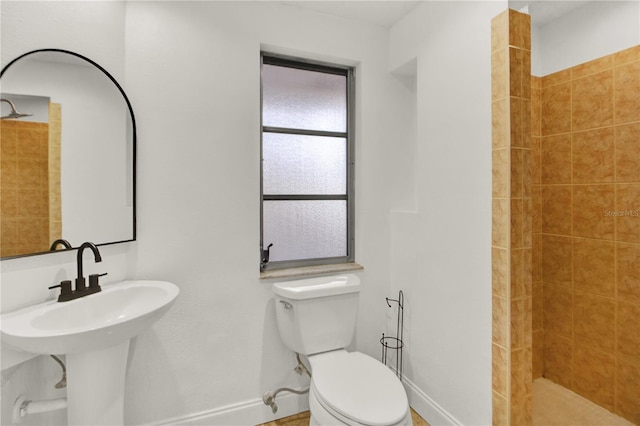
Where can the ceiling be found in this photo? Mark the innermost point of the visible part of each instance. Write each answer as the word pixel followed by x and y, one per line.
pixel 379 12
pixel 545 11
pixel 388 12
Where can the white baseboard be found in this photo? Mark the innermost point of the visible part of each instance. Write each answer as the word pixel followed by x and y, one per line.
pixel 254 412
pixel 426 407
pixel 246 413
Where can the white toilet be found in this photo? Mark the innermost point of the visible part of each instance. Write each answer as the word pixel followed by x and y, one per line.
pixel 317 318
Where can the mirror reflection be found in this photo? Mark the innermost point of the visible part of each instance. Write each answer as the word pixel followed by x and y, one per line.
pixel 67 139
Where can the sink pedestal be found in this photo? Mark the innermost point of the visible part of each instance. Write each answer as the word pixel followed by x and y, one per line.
pixel 94 333
pixel 95 386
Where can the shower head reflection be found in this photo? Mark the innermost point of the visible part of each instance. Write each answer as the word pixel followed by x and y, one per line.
pixel 14 113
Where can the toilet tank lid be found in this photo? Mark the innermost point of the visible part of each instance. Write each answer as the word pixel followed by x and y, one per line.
pixel 317 287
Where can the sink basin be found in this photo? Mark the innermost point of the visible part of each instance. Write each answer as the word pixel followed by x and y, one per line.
pixel 94 333
pixel 117 313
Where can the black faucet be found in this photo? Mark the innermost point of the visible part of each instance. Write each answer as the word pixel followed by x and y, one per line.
pixel 61 242
pixel 80 286
pixel 81 289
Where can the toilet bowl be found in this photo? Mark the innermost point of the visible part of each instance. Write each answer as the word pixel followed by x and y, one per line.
pixel 352 388
pixel 316 317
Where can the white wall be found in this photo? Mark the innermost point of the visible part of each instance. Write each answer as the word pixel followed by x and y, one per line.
pixel 423 153
pixel 192 74
pixel 597 29
pixel 96 30
pixel 440 252
pixel 195 70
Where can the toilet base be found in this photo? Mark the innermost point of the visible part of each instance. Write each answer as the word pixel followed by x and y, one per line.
pixel 321 417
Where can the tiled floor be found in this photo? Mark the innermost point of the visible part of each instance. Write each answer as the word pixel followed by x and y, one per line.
pixel 554 405
pixel 302 419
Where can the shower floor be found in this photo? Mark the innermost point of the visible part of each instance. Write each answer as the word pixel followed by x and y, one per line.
pixel 554 405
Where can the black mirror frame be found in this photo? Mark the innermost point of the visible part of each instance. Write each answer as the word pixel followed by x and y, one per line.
pixel 134 135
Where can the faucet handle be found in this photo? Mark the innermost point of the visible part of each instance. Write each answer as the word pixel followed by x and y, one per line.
pixel 93 280
pixel 65 290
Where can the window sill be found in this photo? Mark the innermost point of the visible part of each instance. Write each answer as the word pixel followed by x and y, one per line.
pixel 310 270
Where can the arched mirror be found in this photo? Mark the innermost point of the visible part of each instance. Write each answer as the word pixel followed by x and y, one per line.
pixel 68 144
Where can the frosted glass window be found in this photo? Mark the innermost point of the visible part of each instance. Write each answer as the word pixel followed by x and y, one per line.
pixel 303 99
pixel 305 229
pixel 306 163
pixel 300 164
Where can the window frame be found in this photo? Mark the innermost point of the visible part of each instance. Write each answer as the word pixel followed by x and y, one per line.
pixel 267 58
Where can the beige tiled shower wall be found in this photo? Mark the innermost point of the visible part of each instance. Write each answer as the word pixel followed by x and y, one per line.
pixel 511 219
pixel 55 193
pixel 24 187
pixel 586 230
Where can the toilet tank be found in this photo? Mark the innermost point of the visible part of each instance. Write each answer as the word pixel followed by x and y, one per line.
pixel 317 314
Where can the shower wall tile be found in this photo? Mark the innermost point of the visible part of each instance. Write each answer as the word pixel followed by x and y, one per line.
pixel 520 110
pixel 519 73
pixel 500 31
pixel 589 204
pixel 511 217
pixel 500 409
pixel 627 92
pixel 536 106
pixel 527 175
pixel 592 67
pixel 500 223
pixel 537 307
pixel 517 270
pixel 592 101
pixel 24 186
pixel 519 30
pixel 597 376
pixel 589 257
pixel 627 152
pixel 536 212
pixel 500 359
pixel 537 354
pixel 556 159
pixel 594 321
pixel 558 319
pixel 536 160
pixel 536 258
pixel 54 167
pixel 500 123
pixel 517 172
pixel 627 212
pixel 517 324
pixel 556 260
pixel 594 266
pixel 593 156
pixel 520 382
pixel 627 390
pixel 499 74
pixel 8 202
pixel 556 209
pixel 556 109
pixel 628 362
pixel 558 77
pixel 500 272
pixel 558 359
pixel 517 211
pixel 622 57
pixel 628 273
pixel 627 335
pixel 501 173
pixel 500 321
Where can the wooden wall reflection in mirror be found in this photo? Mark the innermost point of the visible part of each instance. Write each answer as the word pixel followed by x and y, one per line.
pixel 67 169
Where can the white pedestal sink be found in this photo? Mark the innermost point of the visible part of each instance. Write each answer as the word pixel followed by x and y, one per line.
pixel 93 332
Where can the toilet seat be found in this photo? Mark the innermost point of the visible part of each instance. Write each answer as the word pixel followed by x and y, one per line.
pixel 354 386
